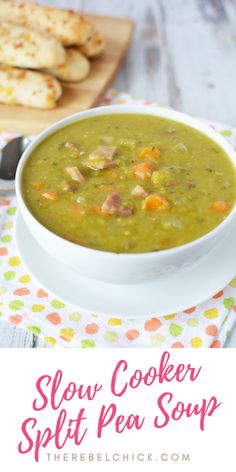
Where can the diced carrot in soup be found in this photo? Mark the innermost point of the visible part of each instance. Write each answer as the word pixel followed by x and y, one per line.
pixel 220 206
pixel 157 202
pixel 144 170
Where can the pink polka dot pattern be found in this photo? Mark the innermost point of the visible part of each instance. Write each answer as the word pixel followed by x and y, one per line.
pixel 26 304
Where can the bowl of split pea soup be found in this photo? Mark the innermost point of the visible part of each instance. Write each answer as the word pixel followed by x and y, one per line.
pixel 126 194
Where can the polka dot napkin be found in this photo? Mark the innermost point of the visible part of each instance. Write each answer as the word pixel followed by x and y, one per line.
pixel 24 303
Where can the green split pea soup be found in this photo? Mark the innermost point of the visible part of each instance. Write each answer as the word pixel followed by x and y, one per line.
pixel 129 183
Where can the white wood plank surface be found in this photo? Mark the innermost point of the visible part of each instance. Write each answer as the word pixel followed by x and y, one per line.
pixel 183 54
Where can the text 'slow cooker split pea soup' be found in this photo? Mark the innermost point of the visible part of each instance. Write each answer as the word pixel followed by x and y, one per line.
pixel 129 183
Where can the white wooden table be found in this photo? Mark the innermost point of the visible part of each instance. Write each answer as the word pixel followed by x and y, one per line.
pixel 183 54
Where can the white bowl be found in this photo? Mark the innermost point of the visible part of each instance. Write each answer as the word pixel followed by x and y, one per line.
pixel 124 268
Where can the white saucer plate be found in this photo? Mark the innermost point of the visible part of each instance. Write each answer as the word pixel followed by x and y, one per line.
pixel 168 294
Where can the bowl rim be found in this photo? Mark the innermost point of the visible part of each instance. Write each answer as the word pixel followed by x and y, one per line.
pixel 162 112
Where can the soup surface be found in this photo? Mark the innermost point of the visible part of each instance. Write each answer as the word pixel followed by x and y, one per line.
pixel 129 183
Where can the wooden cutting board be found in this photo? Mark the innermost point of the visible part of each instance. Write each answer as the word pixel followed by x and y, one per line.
pixel 80 96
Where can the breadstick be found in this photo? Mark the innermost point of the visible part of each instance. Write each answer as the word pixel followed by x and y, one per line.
pixel 94 45
pixel 75 69
pixel 24 47
pixel 28 88
pixel 68 26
